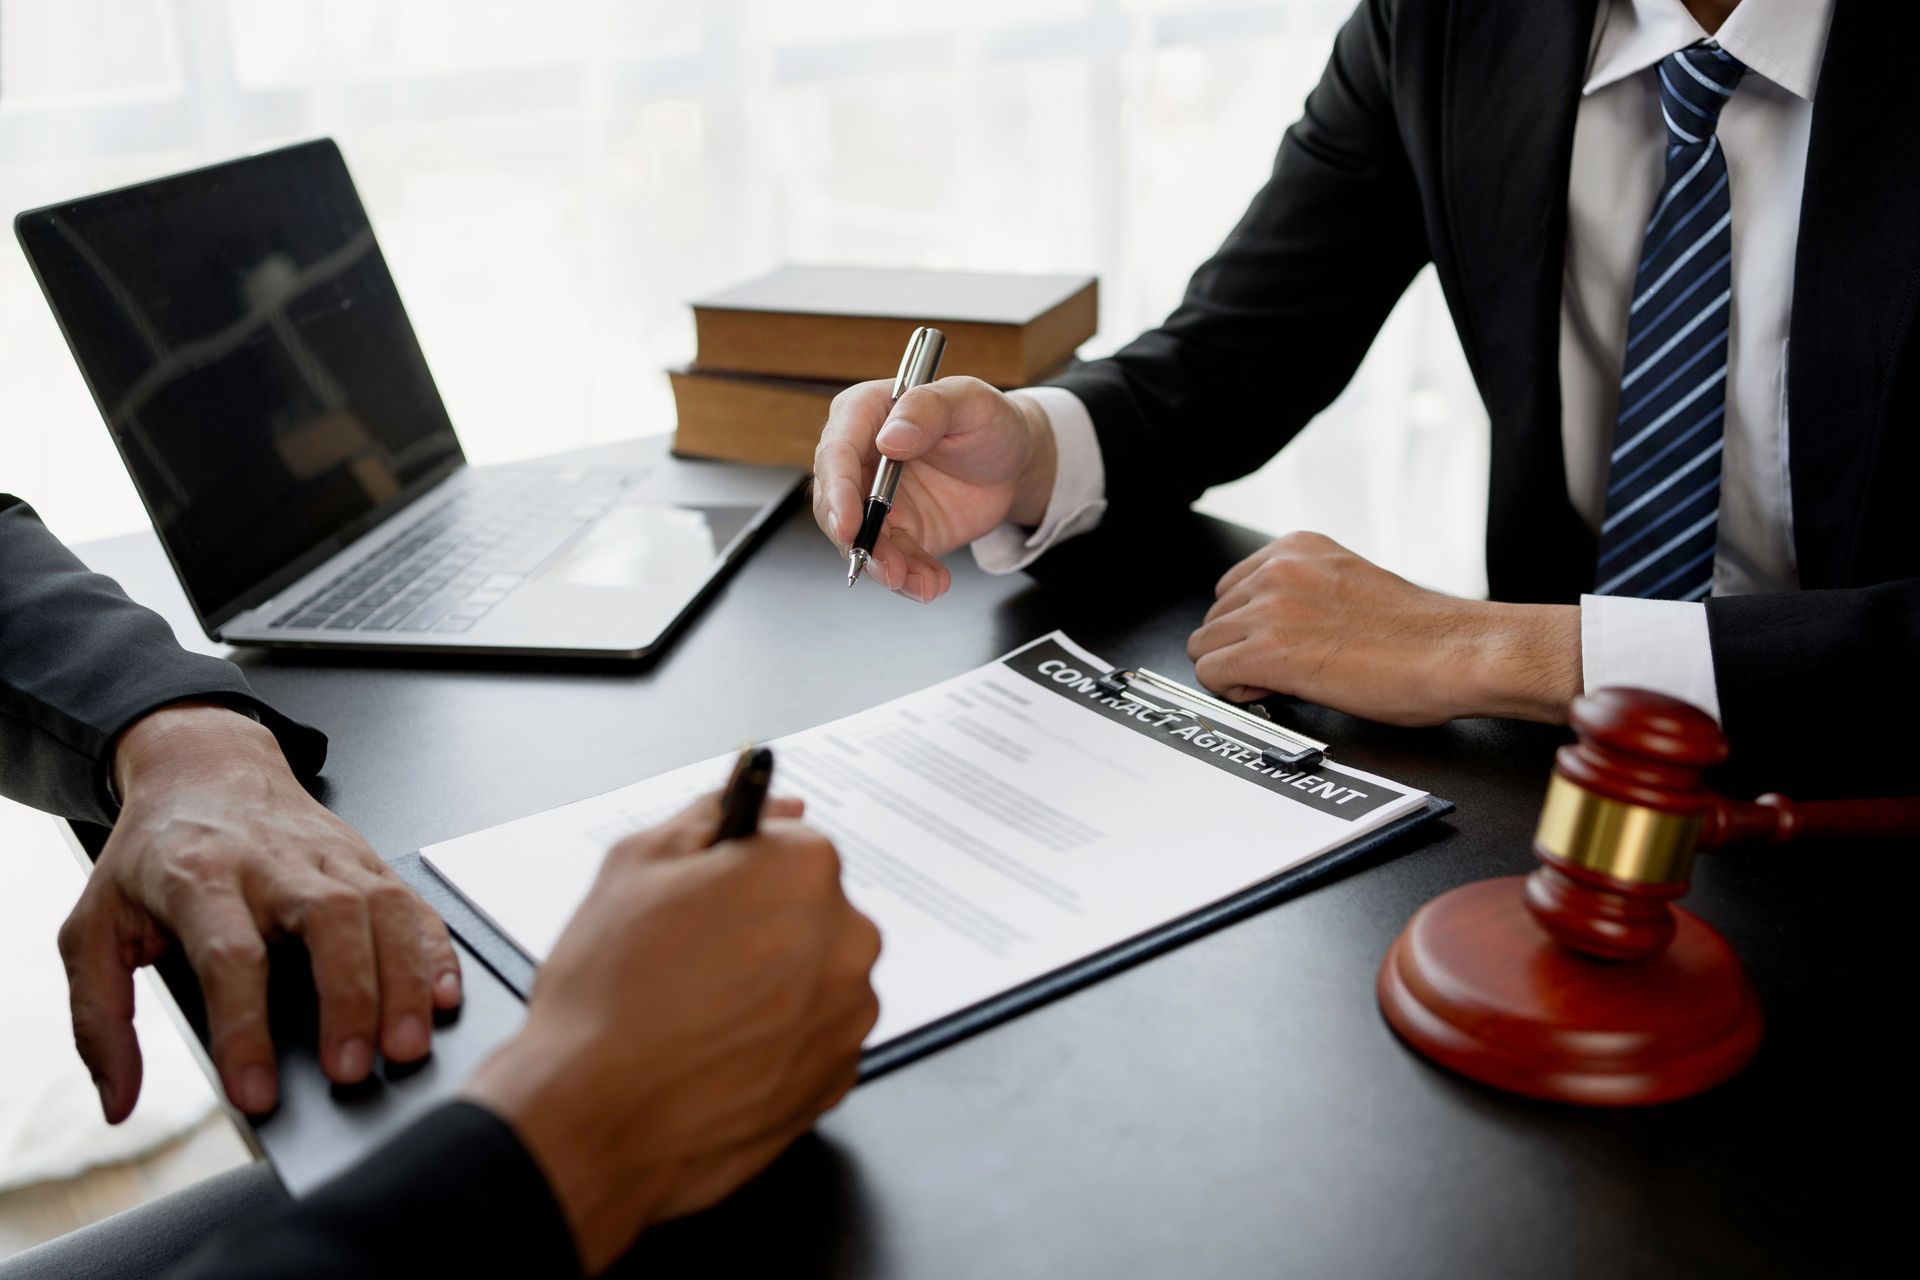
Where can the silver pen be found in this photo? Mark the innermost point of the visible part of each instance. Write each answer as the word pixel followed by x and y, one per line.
pixel 919 366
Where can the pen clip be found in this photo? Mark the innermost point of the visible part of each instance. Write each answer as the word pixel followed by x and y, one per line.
pixel 1276 745
pixel 920 363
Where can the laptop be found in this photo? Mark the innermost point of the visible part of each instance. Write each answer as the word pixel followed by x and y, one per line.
pixel 244 340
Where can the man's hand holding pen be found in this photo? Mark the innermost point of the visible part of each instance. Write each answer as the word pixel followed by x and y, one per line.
pixel 979 458
pixel 644 1099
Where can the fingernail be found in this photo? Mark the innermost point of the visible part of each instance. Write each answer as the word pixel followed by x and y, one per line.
pixel 899 435
pixel 409 1039
pixel 833 520
pixel 256 1090
pixel 446 988
pixel 354 1059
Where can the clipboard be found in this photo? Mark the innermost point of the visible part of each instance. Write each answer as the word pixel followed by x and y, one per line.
pixel 1252 730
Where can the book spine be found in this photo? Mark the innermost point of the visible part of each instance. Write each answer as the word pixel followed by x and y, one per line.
pixel 739 420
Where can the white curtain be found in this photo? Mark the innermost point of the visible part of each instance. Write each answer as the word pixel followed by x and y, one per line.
pixel 552 181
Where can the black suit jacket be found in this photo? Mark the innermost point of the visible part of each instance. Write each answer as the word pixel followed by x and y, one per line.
pixel 456 1194
pixel 1442 131
pixel 79 662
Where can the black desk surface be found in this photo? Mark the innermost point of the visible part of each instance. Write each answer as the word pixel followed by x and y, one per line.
pixel 1236 1107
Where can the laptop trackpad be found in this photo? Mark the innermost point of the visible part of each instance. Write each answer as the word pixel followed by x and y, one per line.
pixel 640 544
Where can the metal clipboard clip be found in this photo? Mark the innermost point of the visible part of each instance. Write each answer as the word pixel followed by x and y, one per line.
pixel 1277 746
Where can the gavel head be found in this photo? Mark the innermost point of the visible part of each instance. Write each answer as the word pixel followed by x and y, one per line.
pixel 1582 982
pixel 1622 819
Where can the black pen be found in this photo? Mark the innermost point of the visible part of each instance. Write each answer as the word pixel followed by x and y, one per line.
pixel 746 792
pixel 919 366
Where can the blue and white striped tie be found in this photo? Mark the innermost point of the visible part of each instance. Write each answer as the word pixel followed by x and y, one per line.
pixel 1663 484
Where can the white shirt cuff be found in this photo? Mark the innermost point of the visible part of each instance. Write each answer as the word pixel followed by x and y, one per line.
pixel 1079 498
pixel 1649 644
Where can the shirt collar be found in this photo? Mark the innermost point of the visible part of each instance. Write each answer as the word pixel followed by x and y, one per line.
pixel 1782 40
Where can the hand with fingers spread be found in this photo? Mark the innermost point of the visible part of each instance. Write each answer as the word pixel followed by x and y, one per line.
pixel 703 1008
pixel 1305 616
pixel 977 458
pixel 219 848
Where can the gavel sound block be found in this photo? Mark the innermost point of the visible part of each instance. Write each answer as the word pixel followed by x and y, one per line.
pixel 1582 982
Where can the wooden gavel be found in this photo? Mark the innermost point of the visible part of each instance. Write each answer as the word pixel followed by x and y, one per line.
pixel 1582 982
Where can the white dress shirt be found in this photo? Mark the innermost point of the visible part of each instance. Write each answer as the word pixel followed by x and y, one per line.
pixel 1619 145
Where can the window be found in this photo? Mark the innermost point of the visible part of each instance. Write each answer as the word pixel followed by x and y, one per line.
pixel 552 182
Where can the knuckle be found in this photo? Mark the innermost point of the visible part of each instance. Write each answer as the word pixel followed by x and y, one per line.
pixel 634 848
pixel 1278 572
pixel 335 901
pixel 839 1085
pixel 227 953
pixel 867 1017
pixel 199 863
pixel 391 896
pixel 328 904
pixel 815 859
pixel 75 931
pixel 864 948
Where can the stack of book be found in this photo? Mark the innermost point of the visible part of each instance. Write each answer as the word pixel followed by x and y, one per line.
pixel 772 353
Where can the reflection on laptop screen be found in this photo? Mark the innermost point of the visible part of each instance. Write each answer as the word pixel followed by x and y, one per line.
pixel 246 344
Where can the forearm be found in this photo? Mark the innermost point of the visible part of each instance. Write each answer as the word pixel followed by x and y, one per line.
pixel 80 662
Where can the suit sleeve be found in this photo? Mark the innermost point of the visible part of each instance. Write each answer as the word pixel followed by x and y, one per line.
pixel 79 662
pixel 455 1195
pixel 1820 690
pixel 1275 323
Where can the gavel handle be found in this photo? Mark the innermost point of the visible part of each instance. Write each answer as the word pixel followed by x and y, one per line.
pixel 1778 820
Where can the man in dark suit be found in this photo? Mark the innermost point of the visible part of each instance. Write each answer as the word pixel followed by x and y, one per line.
pixel 215 843
pixel 1644 214
pixel 621 1103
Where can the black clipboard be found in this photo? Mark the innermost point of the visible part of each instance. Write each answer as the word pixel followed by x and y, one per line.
pixel 513 967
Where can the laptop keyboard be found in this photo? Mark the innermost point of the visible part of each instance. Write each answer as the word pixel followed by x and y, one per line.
pixel 449 569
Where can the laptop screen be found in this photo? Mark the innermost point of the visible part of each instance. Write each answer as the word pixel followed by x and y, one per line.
pixel 249 352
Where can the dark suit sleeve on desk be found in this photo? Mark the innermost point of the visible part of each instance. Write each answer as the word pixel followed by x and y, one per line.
pixel 455 1195
pixel 1820 690
pixel 79 662
pixel 1274 324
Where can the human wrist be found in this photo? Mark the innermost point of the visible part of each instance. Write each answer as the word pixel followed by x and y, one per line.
pixel 608 1186
pixel 1033 491
pixel 189 739
pixel 1523 661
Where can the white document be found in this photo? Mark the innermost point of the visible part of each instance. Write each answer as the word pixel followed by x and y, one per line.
pixel 996 827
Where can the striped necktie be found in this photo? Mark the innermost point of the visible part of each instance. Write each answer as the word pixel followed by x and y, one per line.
pixel 1663 482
